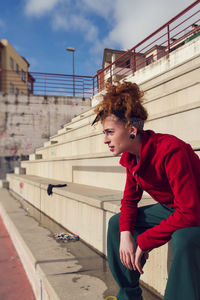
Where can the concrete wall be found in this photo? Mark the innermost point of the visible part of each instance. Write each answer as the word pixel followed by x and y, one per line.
pixel 26 122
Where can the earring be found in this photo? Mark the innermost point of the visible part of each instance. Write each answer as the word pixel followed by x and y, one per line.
pixel 132 136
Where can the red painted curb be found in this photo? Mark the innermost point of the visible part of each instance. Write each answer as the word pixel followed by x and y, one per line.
pixel 14 284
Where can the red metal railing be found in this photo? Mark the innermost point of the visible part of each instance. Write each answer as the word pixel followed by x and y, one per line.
pixel 161 42
pixel 46 84
pixel 172 35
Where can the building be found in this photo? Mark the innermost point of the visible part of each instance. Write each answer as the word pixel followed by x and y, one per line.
pixel 117 64
pixel 14 76
pixel 154 53
pixel 120 64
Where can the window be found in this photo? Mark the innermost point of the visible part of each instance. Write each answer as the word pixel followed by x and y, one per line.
pixel 30 86
pixel 124 63
pixel 149 60
pixel 11 88
pixel 23 76
pixel 11 63
pixel 17 68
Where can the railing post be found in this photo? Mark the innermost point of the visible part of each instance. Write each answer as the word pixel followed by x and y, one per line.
pixel 168 39
pixel 1 81
pixel 83 87
pixel 134 61
pixel 97 84
pixel 74 86
pixel 93 84
pixel 111 73
pixel 45 83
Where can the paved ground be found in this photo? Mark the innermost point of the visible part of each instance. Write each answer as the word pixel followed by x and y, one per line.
pixel 14 284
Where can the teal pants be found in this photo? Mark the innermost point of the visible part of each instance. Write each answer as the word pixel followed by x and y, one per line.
pixel 184 275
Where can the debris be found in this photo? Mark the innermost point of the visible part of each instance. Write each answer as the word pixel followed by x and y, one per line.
pixel 66 236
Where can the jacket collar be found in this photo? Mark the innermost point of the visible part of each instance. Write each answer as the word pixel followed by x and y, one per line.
pixel 147 149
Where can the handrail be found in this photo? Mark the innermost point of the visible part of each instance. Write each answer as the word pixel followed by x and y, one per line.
pixel 127 64
pixel 116 67
pixel 38 83
pixel 152 34
pixel 64 75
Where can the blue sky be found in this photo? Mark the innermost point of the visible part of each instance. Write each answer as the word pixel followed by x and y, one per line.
pixel 40 30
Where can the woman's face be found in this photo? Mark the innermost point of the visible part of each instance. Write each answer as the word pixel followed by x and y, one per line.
pixel 117 137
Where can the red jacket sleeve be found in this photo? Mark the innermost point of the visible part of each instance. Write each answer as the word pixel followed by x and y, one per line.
pixel 131 197
pixel 180 166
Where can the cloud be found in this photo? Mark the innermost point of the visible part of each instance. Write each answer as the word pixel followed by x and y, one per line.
pixel 39 8
pixel 75 22
pixel 127 21
pixel 134 20
pixel 102 8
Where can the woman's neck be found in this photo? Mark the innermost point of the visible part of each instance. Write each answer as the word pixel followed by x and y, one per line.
pixel 135 149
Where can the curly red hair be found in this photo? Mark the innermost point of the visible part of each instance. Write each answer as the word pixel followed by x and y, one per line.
pixel 126 98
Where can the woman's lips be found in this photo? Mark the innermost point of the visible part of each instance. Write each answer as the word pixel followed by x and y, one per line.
pixel 112 148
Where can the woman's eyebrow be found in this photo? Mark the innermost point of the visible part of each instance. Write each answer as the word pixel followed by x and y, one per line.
pixel 107 129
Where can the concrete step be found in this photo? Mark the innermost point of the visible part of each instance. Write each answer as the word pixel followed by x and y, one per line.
pixel 4 184
pixel 79 121
pixel 163 114
pixel 179 79
pixel 86 144
pixel 71 134
pixel 56 270
pixel 85 210
pixel 168 114
pixel 19 170
pixel 35 156
pixel 50 143
pixel 180 61
pixel 93 170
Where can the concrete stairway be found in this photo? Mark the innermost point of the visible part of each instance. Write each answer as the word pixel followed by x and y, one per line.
pixel 77 156
pixel 57 270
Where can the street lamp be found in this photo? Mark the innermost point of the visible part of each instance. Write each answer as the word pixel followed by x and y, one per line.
pixel 70 49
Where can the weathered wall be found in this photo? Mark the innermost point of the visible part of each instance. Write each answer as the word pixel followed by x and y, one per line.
pixel 26 122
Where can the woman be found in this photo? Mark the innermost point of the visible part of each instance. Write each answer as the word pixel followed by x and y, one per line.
pixel 168 169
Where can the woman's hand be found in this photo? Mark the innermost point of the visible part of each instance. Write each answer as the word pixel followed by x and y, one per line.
pixel 131 255
pixel 127 250
pixel 138 256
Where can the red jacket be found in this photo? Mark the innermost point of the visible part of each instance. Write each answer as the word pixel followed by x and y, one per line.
pixel 169 171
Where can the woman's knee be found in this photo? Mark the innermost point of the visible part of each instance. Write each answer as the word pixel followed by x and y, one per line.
pixel 113 223
pixel 184 239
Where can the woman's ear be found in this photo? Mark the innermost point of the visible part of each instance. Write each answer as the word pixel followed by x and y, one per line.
pixel 133 130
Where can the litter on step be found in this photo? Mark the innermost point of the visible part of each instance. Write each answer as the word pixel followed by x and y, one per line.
pixel 66 236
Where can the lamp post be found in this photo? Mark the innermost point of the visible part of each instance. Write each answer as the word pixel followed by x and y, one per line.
pixel 70 49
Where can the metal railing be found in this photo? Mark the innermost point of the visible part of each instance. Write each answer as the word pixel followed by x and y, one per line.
pixel 172 35
pixel 48 83
pixel 38 83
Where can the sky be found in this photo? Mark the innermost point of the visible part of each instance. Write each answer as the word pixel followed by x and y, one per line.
pixel 41 30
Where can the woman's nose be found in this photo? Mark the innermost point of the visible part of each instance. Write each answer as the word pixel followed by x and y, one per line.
pixel 106 141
